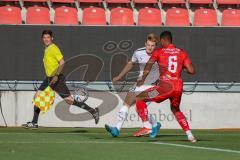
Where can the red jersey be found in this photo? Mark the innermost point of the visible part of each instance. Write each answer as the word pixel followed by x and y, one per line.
pixel 171 61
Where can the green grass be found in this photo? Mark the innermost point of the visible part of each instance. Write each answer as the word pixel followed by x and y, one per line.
pixel 91 144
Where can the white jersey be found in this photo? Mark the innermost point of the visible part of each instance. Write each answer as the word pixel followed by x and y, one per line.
pixel 141 57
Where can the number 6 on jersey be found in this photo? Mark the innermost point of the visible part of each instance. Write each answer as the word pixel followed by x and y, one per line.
pixel 172 64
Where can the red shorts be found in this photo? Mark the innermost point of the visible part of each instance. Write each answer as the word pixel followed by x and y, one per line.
pixel 171 90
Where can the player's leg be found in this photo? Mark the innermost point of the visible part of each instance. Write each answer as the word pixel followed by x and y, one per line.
pixel 61 88
pixel 142 111
pixel 180 117
pixel 154 94
pixel 122 114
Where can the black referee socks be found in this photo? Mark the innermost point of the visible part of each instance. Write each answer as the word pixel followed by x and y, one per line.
pixel 84 106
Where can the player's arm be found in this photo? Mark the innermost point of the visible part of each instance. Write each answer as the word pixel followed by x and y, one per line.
pixel 187 64
pixel 190 69
pixel 60 68
pixel 125 70
pixel 146 71
pixel 59 57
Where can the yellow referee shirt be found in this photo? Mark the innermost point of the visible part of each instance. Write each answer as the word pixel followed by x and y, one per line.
pixel 52 56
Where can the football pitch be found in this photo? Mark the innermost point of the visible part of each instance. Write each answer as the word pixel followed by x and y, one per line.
pixel 90 144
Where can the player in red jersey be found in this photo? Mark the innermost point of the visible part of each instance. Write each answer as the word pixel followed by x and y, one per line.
pixel 172 61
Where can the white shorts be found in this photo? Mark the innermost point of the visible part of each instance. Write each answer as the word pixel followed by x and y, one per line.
pixel 137 90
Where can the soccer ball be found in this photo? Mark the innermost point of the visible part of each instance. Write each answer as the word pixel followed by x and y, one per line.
pixel 81 95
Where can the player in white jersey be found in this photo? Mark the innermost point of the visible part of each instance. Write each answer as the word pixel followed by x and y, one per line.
pixel 140 56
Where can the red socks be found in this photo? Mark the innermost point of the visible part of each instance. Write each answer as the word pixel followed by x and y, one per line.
pixel 143 114
pixel 142 110
pixel 182 120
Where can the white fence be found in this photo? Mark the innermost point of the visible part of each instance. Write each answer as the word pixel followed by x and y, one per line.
pixel 203 110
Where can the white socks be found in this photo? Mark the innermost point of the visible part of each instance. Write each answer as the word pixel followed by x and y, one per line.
pixel 152 120
pixel 122 115
pixel 189 133
pixel 147 124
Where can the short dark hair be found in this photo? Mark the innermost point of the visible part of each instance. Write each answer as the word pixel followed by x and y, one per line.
pixel 166 35
pixel 49 32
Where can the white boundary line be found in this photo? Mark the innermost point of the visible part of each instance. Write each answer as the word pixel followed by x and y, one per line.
pixel 112 142
pixel 198 147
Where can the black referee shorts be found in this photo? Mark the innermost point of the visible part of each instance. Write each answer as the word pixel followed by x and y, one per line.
pixel 60 86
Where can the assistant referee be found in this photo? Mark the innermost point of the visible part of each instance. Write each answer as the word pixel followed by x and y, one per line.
pixel 53 64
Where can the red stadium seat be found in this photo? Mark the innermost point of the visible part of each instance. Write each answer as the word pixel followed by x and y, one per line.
pixel 121 16
pixel 149 17
pixel 145 1
pixel 231 17
pixel 200 1
pixel 94 16
pixel 62 1
pixel 173 1
pixel 222 2
pixel 38 15
pixel 66 15
pixel 177 17
pixel 205 17
pixel 10 15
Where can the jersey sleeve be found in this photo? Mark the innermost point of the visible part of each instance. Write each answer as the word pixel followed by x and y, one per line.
pixel 154 56
pixel 186 59
pixel 58 54
pixel 134 57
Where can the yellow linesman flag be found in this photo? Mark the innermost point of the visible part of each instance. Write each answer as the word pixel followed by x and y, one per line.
pixel 45 99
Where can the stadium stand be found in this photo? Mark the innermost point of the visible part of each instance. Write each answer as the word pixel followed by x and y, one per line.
pixel 178 13
pixel 118 1
pixel 37 15
pixel 28 3
pixel 121 16
pixel 90 1
pixel 200 1
pixel 10 15
pixel 145 1
pixel 166 4
pixel 62 1
pixel 94 16
pixel 231 17
pixel 205 18
pixel 173 1
pixel 222 2
pixel 9 2
pixel 34 1
pixel 149 17
pixel 177 17
pixel 66 16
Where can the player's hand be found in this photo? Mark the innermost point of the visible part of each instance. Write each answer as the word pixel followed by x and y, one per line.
pixel 115 79
pixel 140 82
pixel 54 80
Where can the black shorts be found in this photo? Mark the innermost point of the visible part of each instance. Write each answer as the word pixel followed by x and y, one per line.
pixel 60 86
